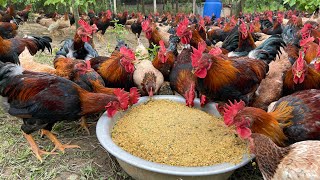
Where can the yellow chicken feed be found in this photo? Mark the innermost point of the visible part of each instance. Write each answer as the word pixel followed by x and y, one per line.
pixel 170 133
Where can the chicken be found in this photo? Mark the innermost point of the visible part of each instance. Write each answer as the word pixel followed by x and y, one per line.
pixel 298 161
pixel 116 70
pixel 10 49
pixel 216 34
pixel 182 80
pixel 309 29
pixel 245 44
pixel 8 15
pixel 136 27
pixel 276 27
pixel 292 119
pixel 223 79
pixel 36 98
pixel 61 23
pixel 121 18
pixel 24 14
pixel 147 78
pixel 28 63
pixel 103 22
pixel 153 34
pixel 79 47
pixel 8 30
pixel 300 77
pixel 165 58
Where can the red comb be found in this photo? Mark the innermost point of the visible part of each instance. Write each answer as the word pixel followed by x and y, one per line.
pixel 134 96
pixel 145 25
pixel 305 41
pixel 128 53
pixel 318 54
pixel 251 29
pixel 231 110
pixel 215 51
pixel 123 98
pixel 183 32
pixel 197 53
pixel 300 61
pixel 162 51
pixel 88 64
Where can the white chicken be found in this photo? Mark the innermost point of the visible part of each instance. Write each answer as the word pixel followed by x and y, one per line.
pixel 146 77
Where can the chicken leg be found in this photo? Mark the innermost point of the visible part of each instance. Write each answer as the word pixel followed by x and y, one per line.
pixel 56 142
pixel 34 147
pixel 84 125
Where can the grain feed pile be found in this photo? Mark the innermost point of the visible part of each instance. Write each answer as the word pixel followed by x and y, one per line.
pixel 170 133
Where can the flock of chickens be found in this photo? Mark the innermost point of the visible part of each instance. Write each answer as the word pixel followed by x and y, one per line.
pixel 227 60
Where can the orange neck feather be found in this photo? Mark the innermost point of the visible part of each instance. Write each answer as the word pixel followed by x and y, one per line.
pixel 93 102
pixel 99 88
pixel 265 123
pixel 221 73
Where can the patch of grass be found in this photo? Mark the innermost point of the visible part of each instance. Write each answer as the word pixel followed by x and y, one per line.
pixel 44 58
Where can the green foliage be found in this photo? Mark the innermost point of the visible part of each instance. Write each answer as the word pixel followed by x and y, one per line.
pixel 154 50
pixel 119 30
pixel 80 3
pixel 262 5
pixel 305 5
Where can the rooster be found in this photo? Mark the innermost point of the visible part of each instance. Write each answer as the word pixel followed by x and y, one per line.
pixel 300 77
pixel 136 27
pixel 298 161
pixel 79 47
pixel 182 79
pixel 116 70
pixel 10 49
pixel 165 58
pixel 8 30
pixel 223 79
pixel 24 14
pixel 36 98
pixel 293 118
pixel 153 34
pixel 276 28
pixel 103 22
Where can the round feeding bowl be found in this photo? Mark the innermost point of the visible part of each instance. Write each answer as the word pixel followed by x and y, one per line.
pixel 141 169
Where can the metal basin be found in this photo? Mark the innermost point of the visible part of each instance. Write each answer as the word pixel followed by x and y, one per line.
pixel 141 169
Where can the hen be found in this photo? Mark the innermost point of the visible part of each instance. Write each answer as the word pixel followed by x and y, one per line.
pixel 298 161
pixel 24 14
pixel 293 118
pixel 10 49
pixel 79 47
pixel 36 98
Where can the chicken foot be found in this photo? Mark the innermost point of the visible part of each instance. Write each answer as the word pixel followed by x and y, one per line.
pixel 34 147
pixel 56 142
pixel 84 125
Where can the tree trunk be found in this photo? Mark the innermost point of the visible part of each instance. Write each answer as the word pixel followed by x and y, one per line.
pixel 143 9
pixel 164 5
pixel 115 6
pixel 138 5
pixel 75 12
pixel 194 7
pixel 154 6
pixel 239 7
pixel 177 6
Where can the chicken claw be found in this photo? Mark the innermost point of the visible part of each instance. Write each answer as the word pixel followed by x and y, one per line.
pixel 34 147
pixel 56 142
pixel 84 125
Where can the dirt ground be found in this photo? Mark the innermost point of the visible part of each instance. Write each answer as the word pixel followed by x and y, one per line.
pixel 89 162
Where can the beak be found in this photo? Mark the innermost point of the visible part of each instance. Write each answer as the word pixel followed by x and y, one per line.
pixel 90 36
pixel 150 92
pixel 299 75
